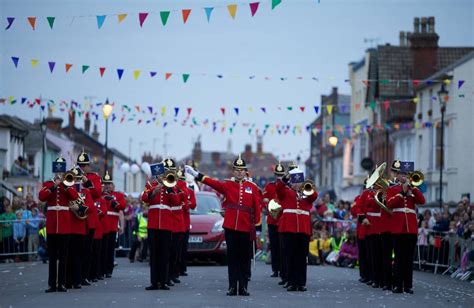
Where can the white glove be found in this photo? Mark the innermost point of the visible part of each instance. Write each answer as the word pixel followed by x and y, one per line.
pixel 190 170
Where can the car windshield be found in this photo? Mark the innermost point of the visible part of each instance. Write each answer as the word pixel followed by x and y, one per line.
pixel 206 204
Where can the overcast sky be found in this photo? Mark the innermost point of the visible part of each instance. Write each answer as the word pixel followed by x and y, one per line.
pixel 298 38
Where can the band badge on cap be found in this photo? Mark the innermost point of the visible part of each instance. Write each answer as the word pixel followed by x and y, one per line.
pixel 239 163
pixel 83 158
pixel 279 169
pixel 396 166
pixel 107 178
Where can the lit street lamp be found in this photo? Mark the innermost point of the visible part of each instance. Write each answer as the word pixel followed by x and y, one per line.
pixel 333 143
pixel 106 110
pixel 443 99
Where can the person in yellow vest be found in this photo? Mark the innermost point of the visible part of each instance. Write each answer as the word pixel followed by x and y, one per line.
pixel 42 247
pixel 140 236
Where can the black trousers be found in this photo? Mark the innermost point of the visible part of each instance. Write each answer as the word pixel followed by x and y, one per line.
pixel 387 249
pixel 109 265
pixel 297 247
pixel 88 254
pixel 238 251
pixel 57 251
pixel 283 258
pixel 160 245
pixel 375 256
pixel 363 271
pixel 75 258
pixel 404 247
pixel 175 254
pixel 274 247
pixel 104 248
pixel 184 254
pixel 95 270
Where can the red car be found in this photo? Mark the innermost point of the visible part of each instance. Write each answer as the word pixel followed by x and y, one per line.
pixel 206 236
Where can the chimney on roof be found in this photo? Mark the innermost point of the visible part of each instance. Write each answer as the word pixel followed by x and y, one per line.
pixel 416 24
pixel 95 133
pixel 197 151
pixel 424 48
pixel 87 123
pixel 248 153
pixel 403 41
pixel 216 158
pixel 72 119
pixel 259 145
pixel 53 123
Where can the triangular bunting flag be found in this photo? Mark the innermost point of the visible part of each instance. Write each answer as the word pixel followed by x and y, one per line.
pixel 163 111
pixel 275 3
pixel 101 71
pixel 289 108
pixel 232 10
pixel 34 62
pixel 164 17
pixel 15 61
pixel 386 104
pixel 150 108
pixel 119 73
pixel 189 110
pixel 85 68
pixel 329 108
pixel 136 74
pixel 185 13
pixel 254 8
pixel 460 83
pixel 100 20
pixel 168 75
pixel 223 110
pixel 208 11
pixel 302 108
pixel 152 74
pixel 142 17
pixel 51 21
pixel 185 77
pixel 10 21
pixel 121 17
pixel 51 66
pixel 176 111
pixel 236 110
pixel 32 21
pixel 415 83
pixel 68 67
pixel 316 109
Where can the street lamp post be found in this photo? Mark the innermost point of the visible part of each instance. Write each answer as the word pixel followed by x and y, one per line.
pixel 106 110
pixel 43 147
pixel 333 143
pixel 443 98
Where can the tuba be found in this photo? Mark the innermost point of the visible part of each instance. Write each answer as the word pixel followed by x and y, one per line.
pixel 380 185
pixel 78 207
pixel 169 178
pixel 416 178
pixel 308 188
pixel 274 208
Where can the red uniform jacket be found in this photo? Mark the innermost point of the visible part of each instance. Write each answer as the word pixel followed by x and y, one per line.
pixel 269 193
pixel 358 210
pixel 177 211
pixel 190 203
pixel 295 216
pixel 95 185
pixel 159 212
pixel 101 210
pixel 79 226
pixel 116 204
pixel 241 203
pixel 92 218
pixel 404 209
pixel 57 202
pixel 372 212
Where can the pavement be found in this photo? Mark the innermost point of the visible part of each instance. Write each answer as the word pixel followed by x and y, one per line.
pixel 23 285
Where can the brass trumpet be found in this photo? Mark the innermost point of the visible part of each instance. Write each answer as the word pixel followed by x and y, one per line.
pixel 68 179
pixel 416 178
pixel 169 178
pixel 308 188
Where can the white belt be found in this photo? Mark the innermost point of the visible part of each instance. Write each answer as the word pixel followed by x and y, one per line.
pixel 405 210
pixel 160 207
pixel 374 214
pixel 176 208
pixel 112 213
pixel 58 208
pixel 296 211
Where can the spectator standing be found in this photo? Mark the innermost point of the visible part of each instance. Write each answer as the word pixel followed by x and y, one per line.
pixel 32 228
pixel 19 234
pixel 6 223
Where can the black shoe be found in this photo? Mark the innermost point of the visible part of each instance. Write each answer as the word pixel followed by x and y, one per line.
pixel 302 289
pixel 375 285
pixel 62 289
pixel 50 290
pixel 175 280
pixel 68 286
pixel 94 280
pixel 152 287
pixel 243 292
pixel 281 283
pixel 369 282
pixel 183 274
pixel 387 288
pixel 275 274
pixel 100 277
pixel 170 283
pixel 286 285
pixel 85 282
pixel 232 292
pixel 77 286
pixel 132 261
pixel 409 291
pixel 397 290
pixel 164 287
pixel 292 289
pixel 108 275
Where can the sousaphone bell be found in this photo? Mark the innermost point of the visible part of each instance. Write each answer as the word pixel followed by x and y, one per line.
pixel 380 185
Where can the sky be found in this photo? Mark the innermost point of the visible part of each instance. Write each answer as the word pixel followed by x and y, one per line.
pixel 298 38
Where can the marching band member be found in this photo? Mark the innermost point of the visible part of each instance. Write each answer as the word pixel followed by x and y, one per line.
pixel 242 212
pixel 402 199
pixel 57 194
pixel 358 210
pixel 160 198
pixel 192 187
pixel 269 194
pixel 295 224
pixel 115 203
pixel 96 262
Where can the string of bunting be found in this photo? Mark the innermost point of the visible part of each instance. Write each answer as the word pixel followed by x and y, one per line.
pixel 143 16
pixel 149 115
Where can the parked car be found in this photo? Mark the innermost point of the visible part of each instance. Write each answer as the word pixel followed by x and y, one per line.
pixel 206 235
